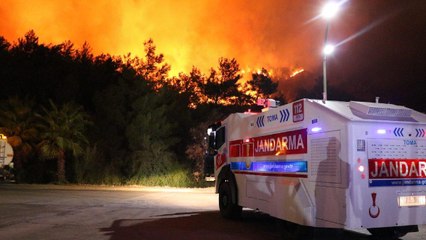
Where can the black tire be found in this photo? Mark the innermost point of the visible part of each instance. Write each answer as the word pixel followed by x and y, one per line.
pixel 228 208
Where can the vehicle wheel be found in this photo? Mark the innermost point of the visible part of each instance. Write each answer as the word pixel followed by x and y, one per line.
pixel 390 233
pixel 228 209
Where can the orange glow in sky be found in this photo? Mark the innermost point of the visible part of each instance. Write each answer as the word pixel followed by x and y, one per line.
pixel 271 34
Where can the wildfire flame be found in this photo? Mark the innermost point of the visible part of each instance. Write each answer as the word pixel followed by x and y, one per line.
pixel 248 71
pixel 297 71
pixel 188 33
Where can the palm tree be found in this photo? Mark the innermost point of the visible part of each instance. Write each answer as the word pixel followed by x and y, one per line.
pixel 62 130
pixel 17 122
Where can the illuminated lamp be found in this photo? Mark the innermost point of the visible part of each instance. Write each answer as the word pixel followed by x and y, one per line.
pixel 316 129
pixel 330 10
pixel 328 49
pixel 381 131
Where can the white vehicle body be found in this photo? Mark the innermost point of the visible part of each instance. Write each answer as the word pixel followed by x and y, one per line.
pixel 6 152
pixel 6 157
pixel 328 164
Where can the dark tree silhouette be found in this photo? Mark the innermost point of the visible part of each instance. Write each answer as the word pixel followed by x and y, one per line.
pixel 221 86
pixel 262 83
pixel 62 130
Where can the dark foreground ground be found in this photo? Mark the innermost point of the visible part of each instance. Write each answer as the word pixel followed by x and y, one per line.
pixel 75 212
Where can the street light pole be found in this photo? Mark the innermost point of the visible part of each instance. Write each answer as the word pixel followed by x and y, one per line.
pixel 328 12
pixel 324 65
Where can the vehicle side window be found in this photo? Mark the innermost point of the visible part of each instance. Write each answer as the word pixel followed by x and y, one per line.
pixel 220 137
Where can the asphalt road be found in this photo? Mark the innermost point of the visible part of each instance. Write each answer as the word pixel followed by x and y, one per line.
pixel 74 212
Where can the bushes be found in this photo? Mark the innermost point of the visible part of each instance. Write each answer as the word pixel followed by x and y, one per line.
pixel 90 170
pixel 175 176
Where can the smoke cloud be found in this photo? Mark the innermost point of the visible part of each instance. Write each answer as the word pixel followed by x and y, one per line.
pixel 381 51
pixel 269 34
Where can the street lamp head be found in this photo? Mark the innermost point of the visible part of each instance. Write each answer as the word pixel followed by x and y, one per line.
pixel 328 49
pixel 330 10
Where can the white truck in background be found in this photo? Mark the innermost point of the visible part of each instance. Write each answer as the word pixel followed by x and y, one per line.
pixel 324 164
pixel 6 157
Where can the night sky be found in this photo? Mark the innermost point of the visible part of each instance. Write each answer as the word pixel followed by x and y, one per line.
pixel 389 59
pixel 383 50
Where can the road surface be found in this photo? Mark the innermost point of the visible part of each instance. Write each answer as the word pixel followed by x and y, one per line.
pixel 74 212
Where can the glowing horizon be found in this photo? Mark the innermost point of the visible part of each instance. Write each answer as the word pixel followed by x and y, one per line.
pixel 188 33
